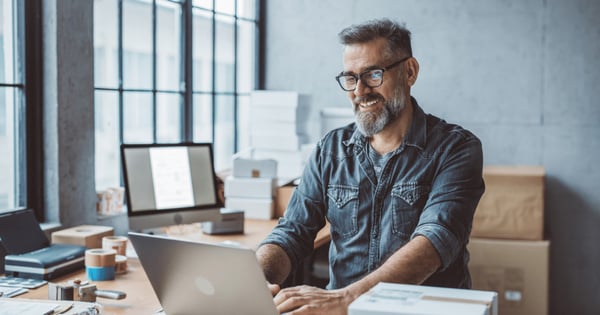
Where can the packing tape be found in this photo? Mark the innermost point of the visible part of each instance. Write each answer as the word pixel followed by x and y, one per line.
pixel 100 273
pixel 99 257
pixel 118 243
pixel 120 264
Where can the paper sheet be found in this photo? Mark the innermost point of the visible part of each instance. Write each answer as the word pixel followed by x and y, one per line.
pixel 11 307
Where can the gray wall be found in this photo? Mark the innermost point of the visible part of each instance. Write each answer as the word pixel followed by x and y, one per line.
pixel 70 195
pixel 523 75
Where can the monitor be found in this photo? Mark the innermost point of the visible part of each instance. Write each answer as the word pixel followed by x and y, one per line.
pixel 168 184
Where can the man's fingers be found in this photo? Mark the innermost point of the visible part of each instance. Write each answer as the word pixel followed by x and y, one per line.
pixel 274 288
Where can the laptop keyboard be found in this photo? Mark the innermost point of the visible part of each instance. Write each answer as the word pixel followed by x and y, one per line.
pixel 21 282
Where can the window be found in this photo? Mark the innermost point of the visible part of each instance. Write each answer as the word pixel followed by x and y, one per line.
pixel 12 107
pixel 172 71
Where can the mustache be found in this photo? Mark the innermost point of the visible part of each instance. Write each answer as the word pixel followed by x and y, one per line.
pixel 368 98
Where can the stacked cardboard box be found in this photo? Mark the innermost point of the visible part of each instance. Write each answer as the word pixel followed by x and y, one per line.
pixel 252 188
pixel 508 253
pixel 278 129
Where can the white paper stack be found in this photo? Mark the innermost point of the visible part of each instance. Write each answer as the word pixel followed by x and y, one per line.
pixel 404 299
pixel 277 129
pixel 252 187
pixel 335 117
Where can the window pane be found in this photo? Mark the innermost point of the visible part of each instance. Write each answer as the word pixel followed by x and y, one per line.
pixel 243 123
pixel 137 44
pixel 224 132
pixel 246 9
pixel 202 51
pixel 10 71
pixel 168 59
pixel 7 150
pixel 106 44
pixel 107 139
pixel 225 6
pixel 246 64
pixel 168 117
pixel 202 118
pixel 12 118
pixel 137 117
pixel 225 54
pixel 205 4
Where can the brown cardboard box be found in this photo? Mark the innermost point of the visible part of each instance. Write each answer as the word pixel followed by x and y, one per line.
pixel 89 236
pixel 512 206
pixel 517 270
pixel 284 193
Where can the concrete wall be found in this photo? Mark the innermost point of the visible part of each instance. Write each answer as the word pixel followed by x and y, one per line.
pixel 70 194
pixel 523 75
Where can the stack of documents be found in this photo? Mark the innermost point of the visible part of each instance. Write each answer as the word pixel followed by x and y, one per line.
pixel 6 292
pixel 405 299
pixel 42 307
pixel 277 129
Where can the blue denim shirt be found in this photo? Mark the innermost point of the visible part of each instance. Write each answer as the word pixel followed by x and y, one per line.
pixel 430 186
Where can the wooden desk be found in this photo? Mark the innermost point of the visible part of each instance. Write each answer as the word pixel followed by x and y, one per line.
pixel 140 295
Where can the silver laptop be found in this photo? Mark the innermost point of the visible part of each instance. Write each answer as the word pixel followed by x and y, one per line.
pixel 199 278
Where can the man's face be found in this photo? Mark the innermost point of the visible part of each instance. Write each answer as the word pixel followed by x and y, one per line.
pixel 375 107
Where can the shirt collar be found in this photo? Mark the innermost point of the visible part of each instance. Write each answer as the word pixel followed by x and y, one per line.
pixel 415 136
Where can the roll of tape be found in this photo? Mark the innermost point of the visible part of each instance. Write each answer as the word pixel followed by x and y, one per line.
pixel 118 243
pixel 120 264
pixel 99 257
pixel 100 273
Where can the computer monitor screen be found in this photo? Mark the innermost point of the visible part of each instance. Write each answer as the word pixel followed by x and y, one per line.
pixel 168 184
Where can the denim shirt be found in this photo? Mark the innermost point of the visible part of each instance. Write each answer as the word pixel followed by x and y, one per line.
pixel 429 186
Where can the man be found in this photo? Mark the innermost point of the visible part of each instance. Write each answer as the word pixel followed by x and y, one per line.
pixel 398 186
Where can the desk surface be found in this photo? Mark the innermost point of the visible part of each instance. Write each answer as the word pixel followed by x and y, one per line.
pixel 140 296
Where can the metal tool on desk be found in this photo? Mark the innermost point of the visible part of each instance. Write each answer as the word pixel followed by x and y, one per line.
pixel 81 291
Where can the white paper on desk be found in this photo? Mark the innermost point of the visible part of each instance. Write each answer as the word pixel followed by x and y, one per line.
pixel 12 307
pixel 7 292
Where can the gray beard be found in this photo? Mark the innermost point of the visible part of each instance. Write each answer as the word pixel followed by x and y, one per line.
pixel 371 123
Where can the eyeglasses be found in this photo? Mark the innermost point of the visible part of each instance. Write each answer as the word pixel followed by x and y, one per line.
pixel 372 78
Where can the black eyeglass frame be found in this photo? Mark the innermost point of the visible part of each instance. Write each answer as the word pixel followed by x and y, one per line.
pixel 359 76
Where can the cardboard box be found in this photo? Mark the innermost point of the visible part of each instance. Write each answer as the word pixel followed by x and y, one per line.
pixel 277 141
pixel 398 299
pixel 284 194
pixel 512 206
pixel 290 164
pixel 250 187
pixel 517 270
pixel 254 208
pixel 264 168
pixel 89 236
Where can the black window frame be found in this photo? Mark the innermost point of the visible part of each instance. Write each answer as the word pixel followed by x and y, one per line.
pixel 186 119
pixel 29 158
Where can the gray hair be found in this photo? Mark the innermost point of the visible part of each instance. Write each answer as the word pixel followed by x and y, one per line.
pixel 396 34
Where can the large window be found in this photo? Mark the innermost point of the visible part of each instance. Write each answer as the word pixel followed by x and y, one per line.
pixel 172 71
pixel 12 107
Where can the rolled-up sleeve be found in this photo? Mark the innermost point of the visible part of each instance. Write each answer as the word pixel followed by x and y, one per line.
pixel 447 217
pixel 304 217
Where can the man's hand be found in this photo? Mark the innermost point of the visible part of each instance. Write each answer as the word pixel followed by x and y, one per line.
pixel 274 288
pixel 304 299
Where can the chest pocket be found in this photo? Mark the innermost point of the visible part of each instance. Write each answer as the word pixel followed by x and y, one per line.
pixel 342 209
pixel 408 200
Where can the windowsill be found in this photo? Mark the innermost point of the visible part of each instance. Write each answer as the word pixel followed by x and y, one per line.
pixel 48 226
pixel 102 217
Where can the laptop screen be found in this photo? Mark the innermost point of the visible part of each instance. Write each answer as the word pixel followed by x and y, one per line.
pixel 20 232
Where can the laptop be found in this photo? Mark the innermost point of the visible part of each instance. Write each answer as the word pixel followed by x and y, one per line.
pixel 200 278
pixel 29 253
